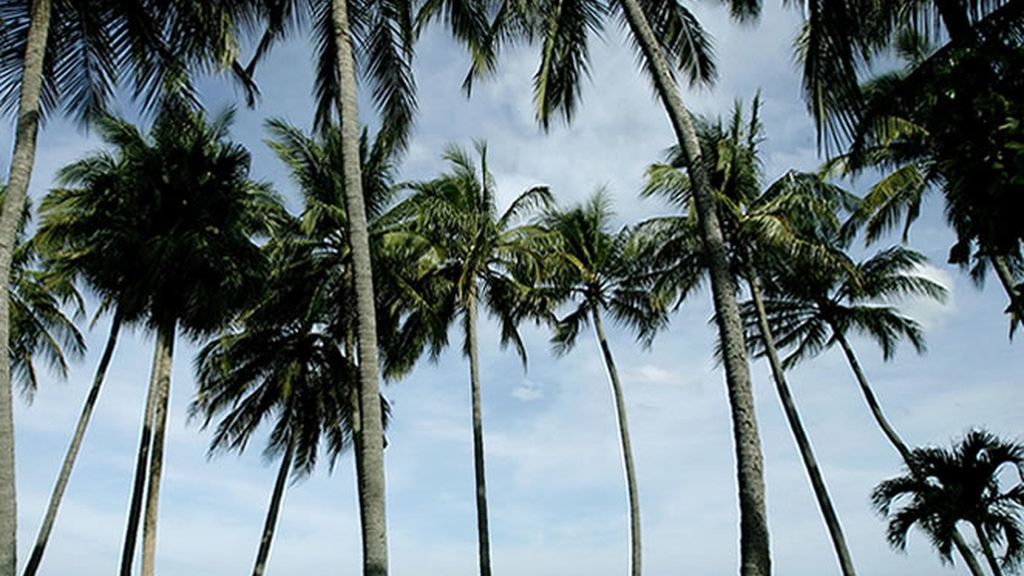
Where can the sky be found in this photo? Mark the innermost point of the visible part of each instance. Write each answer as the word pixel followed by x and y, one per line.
pixel 555 479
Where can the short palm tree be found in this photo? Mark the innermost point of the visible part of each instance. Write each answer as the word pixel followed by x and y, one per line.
pixel 946 487
pixel 595 272
pixel 174 215
pixel 480 257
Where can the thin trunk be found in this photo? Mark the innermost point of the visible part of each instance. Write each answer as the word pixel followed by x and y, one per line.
pixel 165 347
pixel 828 512
pixel 141 463
pixel 372 496
pixel 272 512
pixel 354 408
pixel 14 201
pixel 627 448
pixel 72 454
pixel 755 553
pixel 483 532
pixel 986 548
pixel 897 442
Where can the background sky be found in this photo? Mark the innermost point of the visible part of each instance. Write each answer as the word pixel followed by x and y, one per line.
pixel 555 480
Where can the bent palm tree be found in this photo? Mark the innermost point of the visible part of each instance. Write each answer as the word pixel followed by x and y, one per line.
pixel 480 256
pixel 960 485
pixel 174 215
pixel 595 272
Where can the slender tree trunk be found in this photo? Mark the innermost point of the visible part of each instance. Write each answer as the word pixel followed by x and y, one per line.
pixel 755 553
pixel 828 512
pixel 483 532
pixel 165 347
pixel 986 548
pixel 627 448
pixel 14 201
pixel 142 462
pixel 898 443
pixel 76 444
pixel 372 496
pixel 275 507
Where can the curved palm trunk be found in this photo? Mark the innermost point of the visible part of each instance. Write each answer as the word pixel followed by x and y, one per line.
pixel 72 454
pixel 483 532
pixel 828 512
pixel 986 548
pixel 755 554
pixel 372 497
pixel 627 449
pixel 17 190
pixel 275 507
pixel 165 349
pixel 897 442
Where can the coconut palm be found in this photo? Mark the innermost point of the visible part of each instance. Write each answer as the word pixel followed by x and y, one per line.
pixel 480 257
pixel 667 36
pixel 174 215
pixel 594 271
pixel 282 365
pixel 758 223
pixel 946 487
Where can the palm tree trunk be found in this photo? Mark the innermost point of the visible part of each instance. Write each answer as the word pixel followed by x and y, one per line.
pixel 828 512
pixel 986 548
pixel 897 442
pixel 372 497
pixel 165 348
pixel 272 512
pixel 76 444
pixel 483 532
pixel 755 553
pixel 141 463
pixel 627 448
pixel 14 201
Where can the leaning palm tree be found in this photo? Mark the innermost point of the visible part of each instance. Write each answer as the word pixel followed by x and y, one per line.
pixel 480 257
pixel 758 223
pixel 594 271
pixel 177 219
pixel 282 365
pixel 667 36
pixel 947 487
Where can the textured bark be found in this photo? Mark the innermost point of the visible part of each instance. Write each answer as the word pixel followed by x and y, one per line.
pixel 72 454
pixel 627 448
pixel 755 553
pixel 272 512
pixel 897 442
pixel 986 548
pixel 17 190
pixel 141 463
pixel 372 496
pixel 483 531
pixel 828 512
pixel 165 348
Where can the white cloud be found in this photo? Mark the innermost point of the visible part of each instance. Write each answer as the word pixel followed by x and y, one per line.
pixel 528 391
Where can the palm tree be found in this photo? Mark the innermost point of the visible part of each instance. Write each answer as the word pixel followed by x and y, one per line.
pixel 479 256
pixel 282 364
pixel 595 271
pixel 960 485
pixel 665 34
pixel 72 54
pixel 759 226
pixel 176 219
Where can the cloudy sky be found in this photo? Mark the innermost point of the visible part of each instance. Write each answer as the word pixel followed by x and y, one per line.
pixel 555 480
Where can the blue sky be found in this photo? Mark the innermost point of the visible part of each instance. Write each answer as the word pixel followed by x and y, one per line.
pixel 558 505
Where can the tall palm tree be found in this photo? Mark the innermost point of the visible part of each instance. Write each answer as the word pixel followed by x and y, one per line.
pixel 666 35
pixel 758 226
pixel 72 54
pixel 177 216
pixel 594 271
pixel 480 257
pixel 281 364
pixel 959 485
